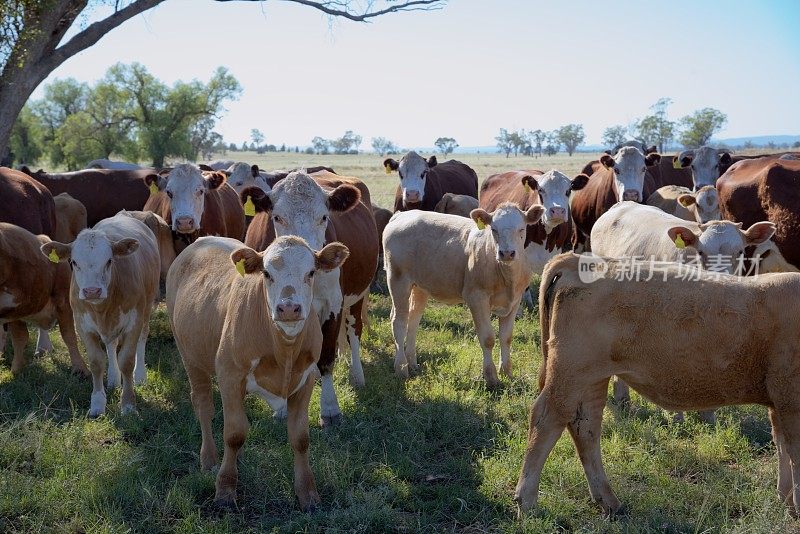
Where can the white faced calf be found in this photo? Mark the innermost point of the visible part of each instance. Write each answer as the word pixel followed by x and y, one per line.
pixel 629 166
pixel 241 176
pixel 413 170
pixel 705 163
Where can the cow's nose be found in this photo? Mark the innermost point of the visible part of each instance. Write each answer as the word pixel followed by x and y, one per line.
pixel 412 196
pixel 92 292
pixel 507 255
pixel 558 213
pixel 184 224
pixel 289 311
pixel 631 195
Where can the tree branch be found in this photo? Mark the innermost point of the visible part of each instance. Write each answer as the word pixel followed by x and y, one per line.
pixel 343 11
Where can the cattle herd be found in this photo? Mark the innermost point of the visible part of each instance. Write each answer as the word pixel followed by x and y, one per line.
pixel 267 276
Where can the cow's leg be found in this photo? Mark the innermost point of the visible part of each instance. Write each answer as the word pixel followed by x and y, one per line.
pixel 330 412
pixel 297 427
pixel 479 307
pixel 19 338
pixel 140 369
pixel 3 332
pixel 97 365
pixel 417 301
pixel 709 417
pixel 585 431
pixel 400 290
pixel 113 379
pixel 784 464
pixel 353 330
pixel 622 393
pixel 235 427
pixel 544 429
pixel 43 343
pixel 203 404
pixel 127 361
pixel 506 334
pixel 66 325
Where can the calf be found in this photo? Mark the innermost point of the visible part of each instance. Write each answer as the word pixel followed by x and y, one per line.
pixel 70 218
pixel 452 204
pixel 424 182
pixel 701 206
pixel 746 353
pixel 258 334
pixel 115 268
pixel 163 235
pixel 34 290
pixel 321 210
pixel 445 257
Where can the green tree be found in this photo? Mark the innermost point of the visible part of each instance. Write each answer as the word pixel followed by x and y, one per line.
pixel 570 136
pixel 62 98
pixel 383 146
pixel 322 146
pixel 700 126
pixel 615 135
pixel 346 143
pixel 656 129
pixel 505 142
pixel 256 136
pixel 446 145
pixel 26 137
pixel 536 139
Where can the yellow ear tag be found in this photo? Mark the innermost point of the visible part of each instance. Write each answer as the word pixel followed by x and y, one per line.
pixel 153 188
pixel 388 169
pixel 527 188
pixel 679 241
pixel 676 164
pixel 240 267
pixel 53 256
pixel 249 207
pixel 480 224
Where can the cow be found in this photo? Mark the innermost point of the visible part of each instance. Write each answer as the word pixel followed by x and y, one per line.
pixel 163 235
pixel 424 182
pixel 446 257
pixel 115 270
pixel 219 164
pixel 70 218
pixel 258 334
pixel 382 216
pixel 103 192
pixel 461 205
pixel 621 178
pixel 553 190
pixel 322 209
pixel 765 189
pixel 34 290
pixel 631 230
pixel 113 165
pixel 195 203
pixel 242 176
pixel 701 206
pixel 744 354
pixel 706 163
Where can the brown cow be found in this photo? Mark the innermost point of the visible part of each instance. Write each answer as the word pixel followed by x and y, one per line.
pixel 323 209
pixel 70 218
pixel 706 163
pixel 103 192
pixel 163 234
pixel 452 204
pixel 258 334
pixel 196 203
pixel 424 182
pixel 382 216
pixel 765 189
pixel 622 177
pixel 591 330
pixel 26 202
pixel 34 289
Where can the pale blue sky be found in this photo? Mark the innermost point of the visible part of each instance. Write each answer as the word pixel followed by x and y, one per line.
pixel 473 67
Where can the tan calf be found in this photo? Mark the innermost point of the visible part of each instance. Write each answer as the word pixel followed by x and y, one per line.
pixel 453 204
pixel 115 268
pixel 257 332
pixel 163 233
pixel 648 333
pixel 700 206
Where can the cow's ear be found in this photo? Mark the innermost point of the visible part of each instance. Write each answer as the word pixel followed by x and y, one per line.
pixel 57 252
pixel 26 170
pixel 331 256
pixel 214 180
pixel 344 198
pixel 682 236
pixel 251 261
pixel 261 200
pixel 204 167
pixel 725 158
pixel 123 247
pixel 652 159
pixel 686 200
pixel 254 171
pixel 759 232
pixel 481 217
pixel 432 162
pixel 650 150
pixel 530 181
pixel 579 182
pixel 534 214
pixel 607 152
pixel 390 164
pixel 607 161
pixel 151 180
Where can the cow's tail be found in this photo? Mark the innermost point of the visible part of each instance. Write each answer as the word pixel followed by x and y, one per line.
pixel 547 291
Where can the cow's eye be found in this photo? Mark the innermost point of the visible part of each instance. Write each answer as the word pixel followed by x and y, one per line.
pixel 169 193
pixel 616 170
pixel 324 219
pixel 267 276
pixel 311 274
pixel 542 193
pixel 198 193
pixel 278 220
pixel 644 169
pixel 108 264
pixel 239 184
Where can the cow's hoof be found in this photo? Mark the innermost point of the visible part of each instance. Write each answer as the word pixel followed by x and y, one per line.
pixel 95 413
pixel 309 503
pixel 225 504
pixel 209 465
pixel 40 353
pixel 140 379
pixel 357 379
pixel 414 369
pixel 129 409
pixel 505 370
pixel 401 371
pixel 112 383
pixel 81 372
pixel 327 421
pixel 281 414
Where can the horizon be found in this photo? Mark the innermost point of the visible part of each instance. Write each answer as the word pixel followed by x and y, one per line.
pixel 485 69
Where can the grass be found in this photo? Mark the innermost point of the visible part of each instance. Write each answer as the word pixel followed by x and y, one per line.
pixel 438 452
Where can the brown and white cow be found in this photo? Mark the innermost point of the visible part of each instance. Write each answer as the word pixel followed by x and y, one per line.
pixel 322 210
pixel 446 257
pixel 701 206
pixel 553 190
pixel 746 354
pixel 258 334
pixel 163 234
pixel 423 182
pixel 195 203
pixel 34 290
pixel 241 176
pixel 103 192
pixel 115 269
pixel 452 204
pixel 621 178
pixel 114 165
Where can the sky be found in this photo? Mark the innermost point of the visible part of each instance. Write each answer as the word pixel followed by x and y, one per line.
pixel 471 68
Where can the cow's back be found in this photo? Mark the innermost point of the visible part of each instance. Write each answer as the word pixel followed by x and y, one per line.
pixel 449 177
pixel 70 218
pixel 25 273
pixel 589 203
pixel 27 203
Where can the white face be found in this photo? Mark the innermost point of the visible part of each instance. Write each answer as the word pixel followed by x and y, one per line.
pixel 705 167
pixel 242 177
pixel 554 189
pixel 706 206
pixel 92 259
pixel 289 272
pixel 300 207
pixel 629 169
pixel 508 228
pixel 413 172
pixel 721 245
pixel 186 189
